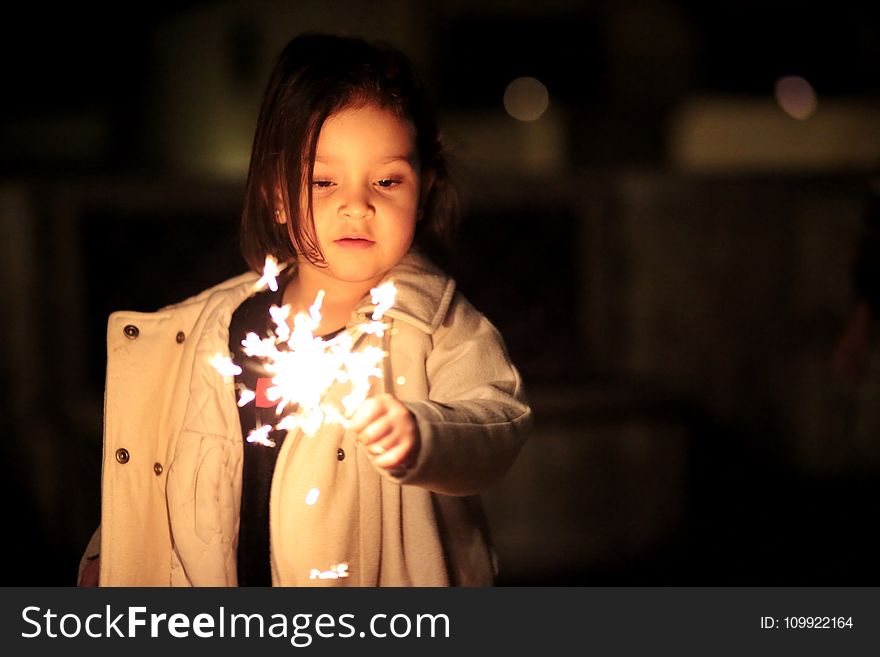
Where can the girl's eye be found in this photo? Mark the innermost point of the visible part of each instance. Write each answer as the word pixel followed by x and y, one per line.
pixel 385 183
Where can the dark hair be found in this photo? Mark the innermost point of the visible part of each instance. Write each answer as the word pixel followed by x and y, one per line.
pixel 316 76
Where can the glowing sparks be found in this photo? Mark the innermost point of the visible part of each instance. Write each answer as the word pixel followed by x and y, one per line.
pixel 225 366
pixel 270 272
pixel 315 309
pixel 312 496
pixel 279 317
pixel 261 436
pixel 246 397
pixel 303 367
pixel 383 296
pixel 336 571
pixel 401 380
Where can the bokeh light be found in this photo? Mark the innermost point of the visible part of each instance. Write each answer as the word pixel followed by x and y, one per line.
pixel 526 99
pixel 796 97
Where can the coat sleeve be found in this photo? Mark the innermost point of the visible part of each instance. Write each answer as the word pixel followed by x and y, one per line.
pixel 476 417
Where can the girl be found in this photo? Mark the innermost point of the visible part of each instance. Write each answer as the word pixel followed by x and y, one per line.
pixel 347 176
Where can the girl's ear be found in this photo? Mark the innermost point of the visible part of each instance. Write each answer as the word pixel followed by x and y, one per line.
pixel 280 214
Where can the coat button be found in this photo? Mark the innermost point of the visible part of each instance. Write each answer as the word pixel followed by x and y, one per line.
pixel 131 331
pixel 340 454
pixel 157 468
pixel 181 336
pixel 122 455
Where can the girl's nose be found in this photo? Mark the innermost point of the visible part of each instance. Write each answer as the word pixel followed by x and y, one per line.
pixel 356 205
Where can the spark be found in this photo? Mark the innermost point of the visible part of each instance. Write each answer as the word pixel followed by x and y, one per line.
pixel 246 397
pixel 271 269
pixel 383 296
pixel 315 309
pixel 225 366
pixel 260 436
pixel 336 571
pixel 401 380
pixel 279 317
pixel 312 496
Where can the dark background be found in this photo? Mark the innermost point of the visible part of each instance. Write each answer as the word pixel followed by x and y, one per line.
pixel 667 253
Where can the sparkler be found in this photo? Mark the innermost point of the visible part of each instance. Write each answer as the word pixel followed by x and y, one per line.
pixel 303 369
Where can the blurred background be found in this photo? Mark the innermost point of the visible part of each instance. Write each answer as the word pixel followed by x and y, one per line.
pixel 667 218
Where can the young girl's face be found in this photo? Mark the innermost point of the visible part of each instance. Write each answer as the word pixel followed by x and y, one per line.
pixel 365 194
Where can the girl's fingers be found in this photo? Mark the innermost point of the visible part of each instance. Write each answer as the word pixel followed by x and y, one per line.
pixel 383 444
pixel 376 430
pixel 395 457
pixel 371 409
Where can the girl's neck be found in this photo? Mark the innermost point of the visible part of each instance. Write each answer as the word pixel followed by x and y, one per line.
pixel 340 297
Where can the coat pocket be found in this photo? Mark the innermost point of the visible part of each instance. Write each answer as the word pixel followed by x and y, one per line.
pixel 201 509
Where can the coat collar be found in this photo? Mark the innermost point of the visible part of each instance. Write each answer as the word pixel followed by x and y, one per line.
pixel 424 293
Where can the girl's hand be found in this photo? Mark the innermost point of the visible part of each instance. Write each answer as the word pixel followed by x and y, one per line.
pixel 389 432
pixel 90 573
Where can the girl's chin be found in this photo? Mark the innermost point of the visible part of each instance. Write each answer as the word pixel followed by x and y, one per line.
pixel 354 274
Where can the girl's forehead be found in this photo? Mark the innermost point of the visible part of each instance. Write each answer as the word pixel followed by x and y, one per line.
pixel 366 130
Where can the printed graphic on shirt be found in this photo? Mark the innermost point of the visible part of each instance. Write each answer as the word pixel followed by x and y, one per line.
pixel 262 401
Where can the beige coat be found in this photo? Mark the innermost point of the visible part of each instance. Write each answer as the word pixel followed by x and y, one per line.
pixel 171 483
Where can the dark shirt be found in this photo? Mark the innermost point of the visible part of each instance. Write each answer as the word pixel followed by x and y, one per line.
pixel 258 463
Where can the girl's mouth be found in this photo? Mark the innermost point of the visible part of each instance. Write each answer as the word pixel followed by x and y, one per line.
pixel 354 243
